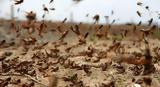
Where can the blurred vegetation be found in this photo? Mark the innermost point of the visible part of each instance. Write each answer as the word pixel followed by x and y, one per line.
pixel 117 37
pixel 157 34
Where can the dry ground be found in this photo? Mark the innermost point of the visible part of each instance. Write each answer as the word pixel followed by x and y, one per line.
pixel 93 64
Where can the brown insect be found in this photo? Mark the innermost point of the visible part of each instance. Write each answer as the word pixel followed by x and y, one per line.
pixel 130 59
pixel 139 3
pixel 72 78
pixel 70 47
pixel 18 2
pixel 51 1
pixel 150 21
pixel 63 33
pixel 86 69
pixel 30 26
pixel 147 7
pixel 125 33
pixel 64 20
pixel 5 82
pixel 81 37
pixel 29 41
pixel 113 21
pixel 139 14
pixel 52 9
pixel 140 22
pixel 99 33
pixel 41 46
pixel 77 1
pixel 87 15
pixel 96 18
pixel 114 47
pixel 104 66
pixel 31 16
pixel 148 31
pixel 43 16
pixel 75 30
pixel 42 29
pixel 45 8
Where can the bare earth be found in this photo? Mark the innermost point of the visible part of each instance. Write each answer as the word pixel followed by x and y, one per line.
pixel 93 64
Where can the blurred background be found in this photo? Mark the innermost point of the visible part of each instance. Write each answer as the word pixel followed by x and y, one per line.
pixel 122 11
